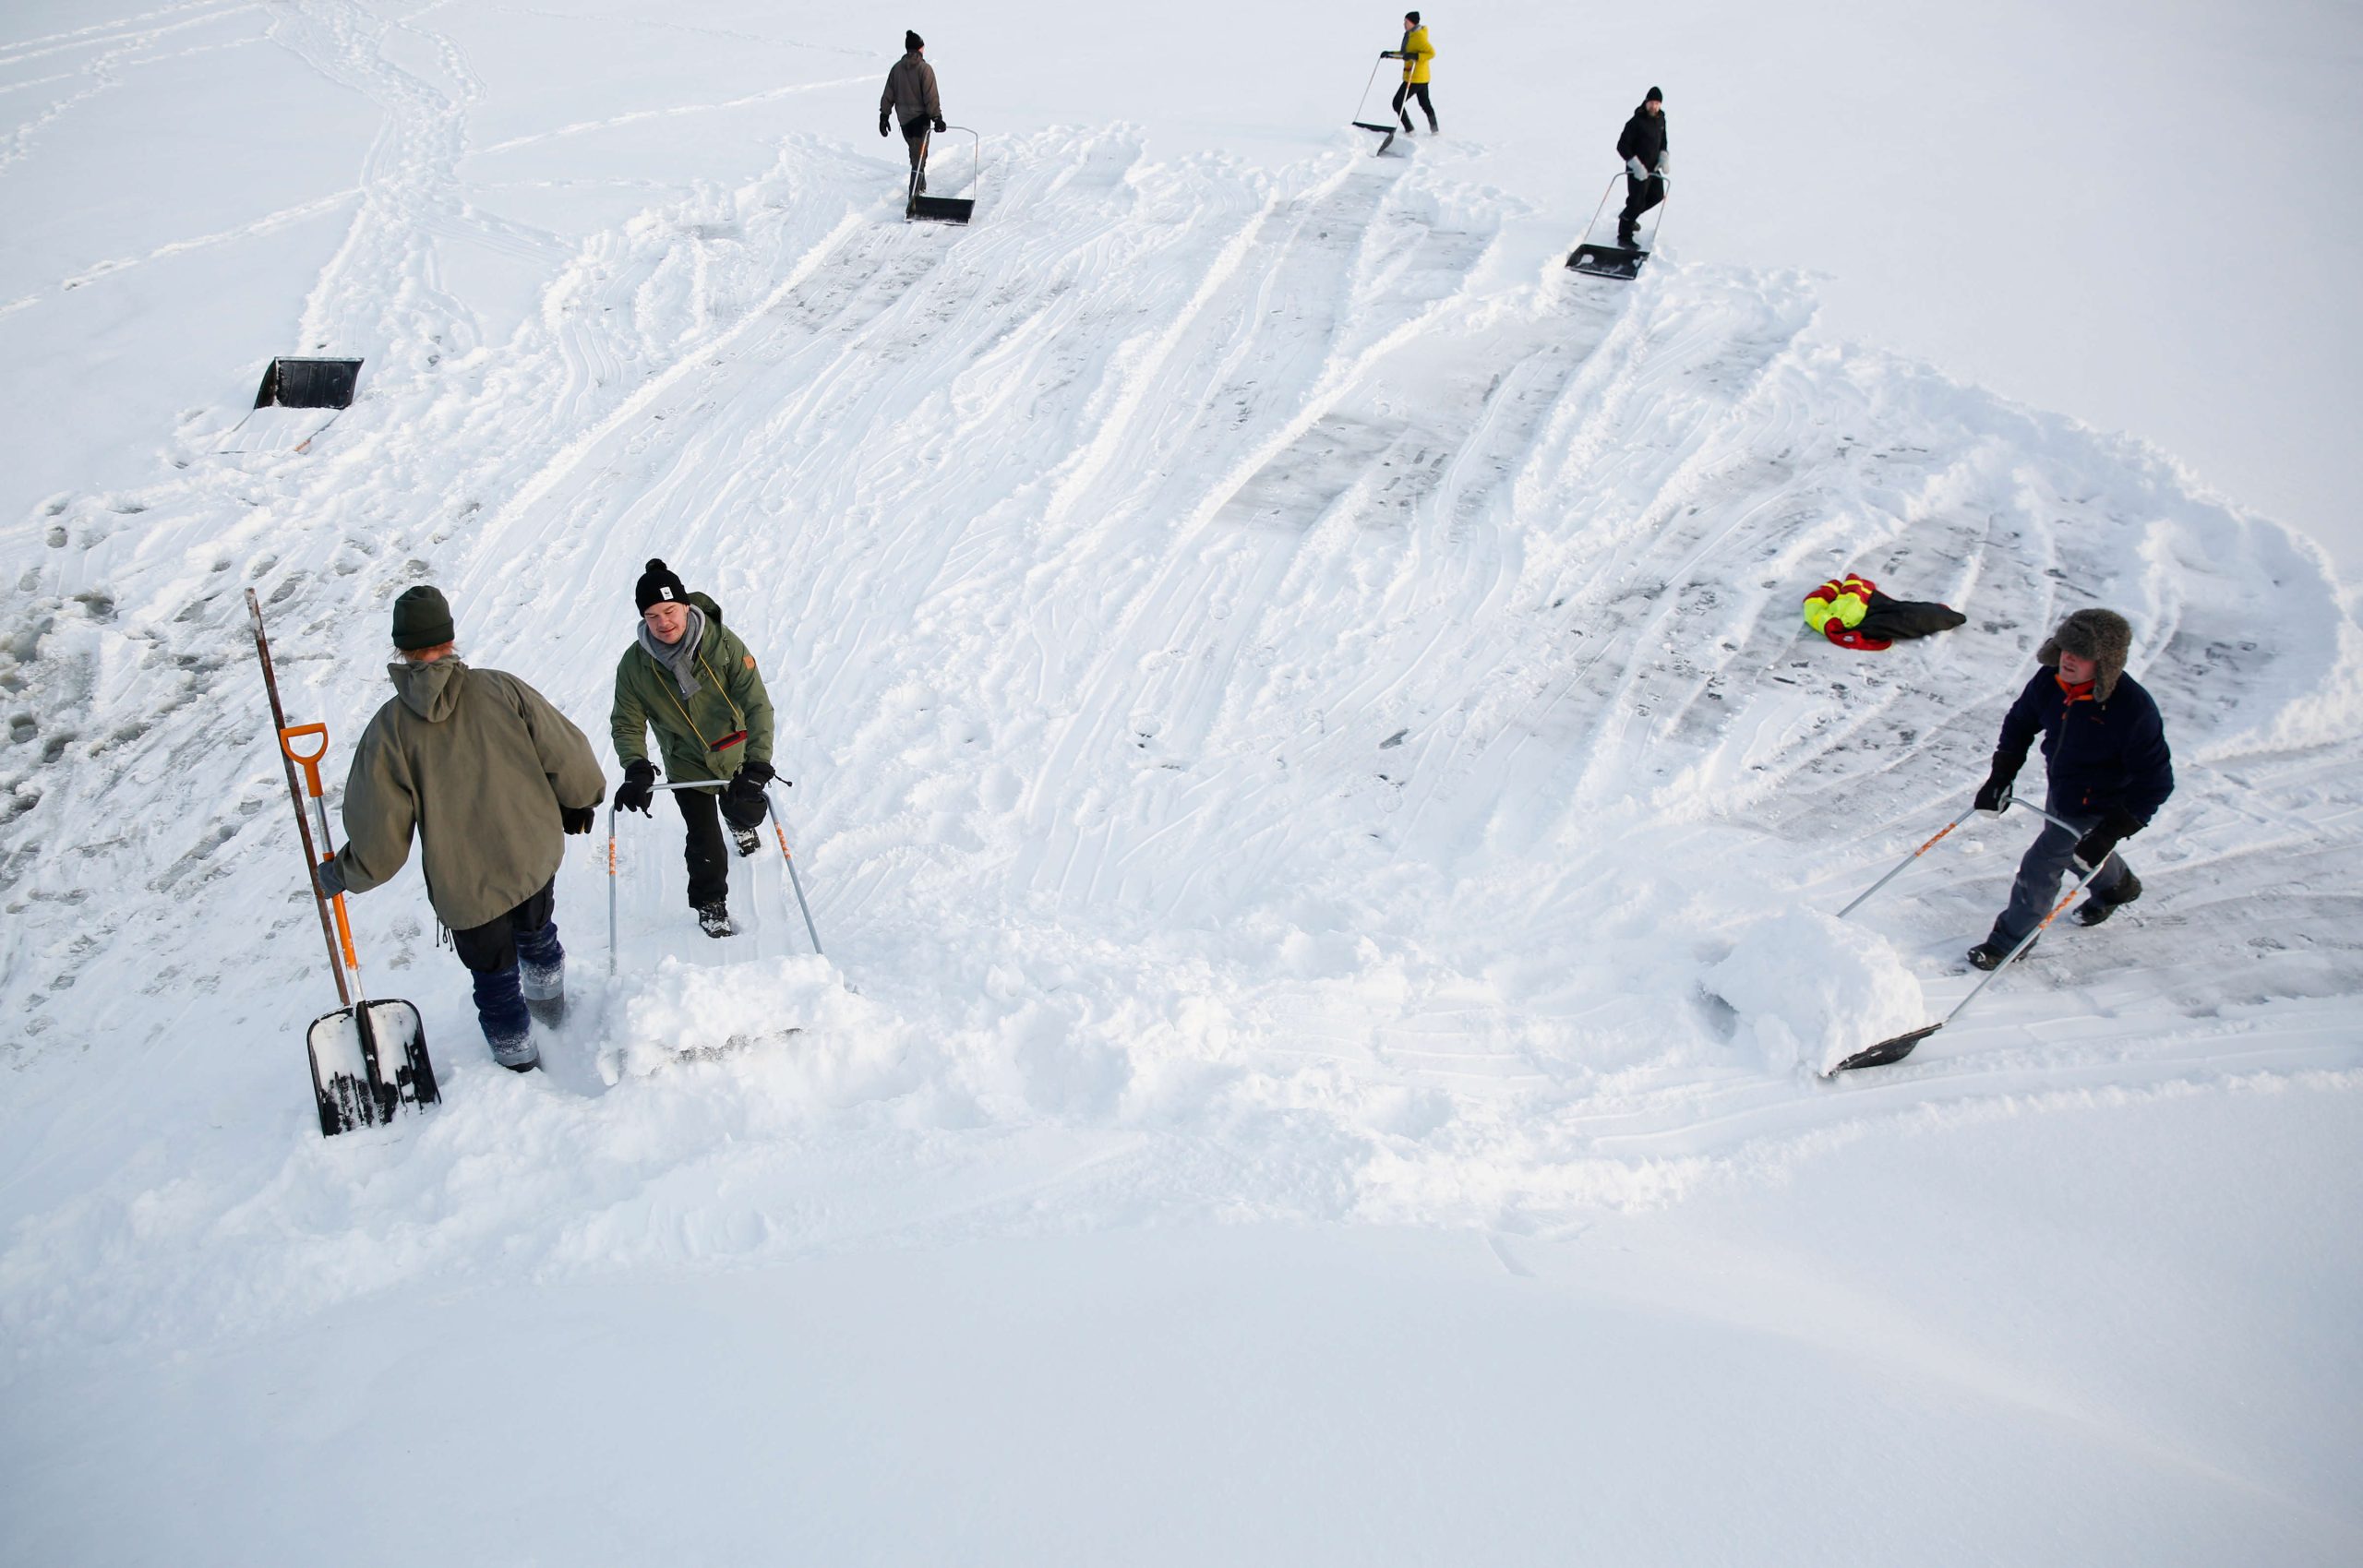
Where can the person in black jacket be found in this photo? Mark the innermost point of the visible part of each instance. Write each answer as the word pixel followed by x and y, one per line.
pixel 1642 146
pixel 2104 747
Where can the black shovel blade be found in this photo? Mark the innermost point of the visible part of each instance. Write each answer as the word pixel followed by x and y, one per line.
pixel 367 1063
pixel 308 383
pixel 1886 1051
pixel 942 208
pixel 1608 260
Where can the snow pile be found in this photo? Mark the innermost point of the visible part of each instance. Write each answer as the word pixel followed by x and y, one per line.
pixel 1809 987
pixel 690 1013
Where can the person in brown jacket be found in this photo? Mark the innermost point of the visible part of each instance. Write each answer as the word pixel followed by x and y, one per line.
pixel 490 778
pixel 910 98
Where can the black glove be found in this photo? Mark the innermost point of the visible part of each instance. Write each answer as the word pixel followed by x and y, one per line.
pixel 882 122
pixel 940 126
pixel 578 818
pixel 330 879
pixel 760 771
pixel 2094 846
pixel 1993 794
pixel 745 791
pixel 638 791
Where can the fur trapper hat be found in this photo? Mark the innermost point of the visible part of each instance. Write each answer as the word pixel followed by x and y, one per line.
pixel 2103 635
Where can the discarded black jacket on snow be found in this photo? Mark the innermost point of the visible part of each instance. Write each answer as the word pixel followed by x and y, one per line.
pixel 1644 138
pixel 1892 620
pixel 2103 755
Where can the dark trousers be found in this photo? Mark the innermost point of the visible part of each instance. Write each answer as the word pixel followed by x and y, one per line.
pixel 2041 870
pixel 1407 91
pixel 914 138
pixel 492 950
pixel 708 857
pixel 1640 196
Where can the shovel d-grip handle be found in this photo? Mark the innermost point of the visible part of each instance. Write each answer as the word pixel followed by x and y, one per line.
pixel 308 761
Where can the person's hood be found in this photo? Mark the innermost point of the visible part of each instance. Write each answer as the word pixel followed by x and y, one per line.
pixel 429 690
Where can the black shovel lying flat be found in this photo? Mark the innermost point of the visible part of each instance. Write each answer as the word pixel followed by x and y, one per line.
pixel 368 1058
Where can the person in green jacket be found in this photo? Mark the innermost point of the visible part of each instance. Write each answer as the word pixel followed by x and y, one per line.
pixel 490 778
pixel 691 678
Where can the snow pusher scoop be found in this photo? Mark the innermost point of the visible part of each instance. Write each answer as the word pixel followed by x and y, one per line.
pixel 1901 1046
pixel 778 830
pixel 368 1058
pixel 927 209
pixel 305 385
pixel 1386 132
pixel 1620 261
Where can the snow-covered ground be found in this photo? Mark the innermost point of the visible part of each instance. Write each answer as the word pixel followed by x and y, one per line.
pixel 1321 809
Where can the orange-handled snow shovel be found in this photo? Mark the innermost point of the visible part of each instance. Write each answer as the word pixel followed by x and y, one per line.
pixel 370 1058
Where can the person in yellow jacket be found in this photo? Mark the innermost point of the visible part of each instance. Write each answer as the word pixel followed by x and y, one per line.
pixel 1415 54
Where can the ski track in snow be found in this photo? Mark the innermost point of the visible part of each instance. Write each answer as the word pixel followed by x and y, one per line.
pixel 1283 711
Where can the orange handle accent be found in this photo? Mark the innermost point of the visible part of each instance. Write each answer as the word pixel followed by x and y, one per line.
pixel 345 933
pixel 310 764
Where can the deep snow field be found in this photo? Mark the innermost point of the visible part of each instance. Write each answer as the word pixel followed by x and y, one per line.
pixel 1323 813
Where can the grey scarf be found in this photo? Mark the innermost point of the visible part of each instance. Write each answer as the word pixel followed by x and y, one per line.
pixel 681 657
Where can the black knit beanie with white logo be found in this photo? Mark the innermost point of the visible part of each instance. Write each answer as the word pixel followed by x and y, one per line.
pixel 657 585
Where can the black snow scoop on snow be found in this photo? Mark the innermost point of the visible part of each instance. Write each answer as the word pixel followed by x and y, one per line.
pixel 308 385
pixel 1901 1046
pixel 1385 133
pixel 368 1058
pixel 924 209
pixel 1619 261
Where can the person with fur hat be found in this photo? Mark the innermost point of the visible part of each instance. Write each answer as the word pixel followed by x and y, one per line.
pixel 690 677
pixel 2105 749
pixel 910 98
pixel 490 778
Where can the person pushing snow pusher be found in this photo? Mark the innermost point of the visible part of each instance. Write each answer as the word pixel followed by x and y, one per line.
pixel 2105 748
pixel 1415 54
pixel 910 99
pixel 690 678
pixel 491 778
pixel 1642 146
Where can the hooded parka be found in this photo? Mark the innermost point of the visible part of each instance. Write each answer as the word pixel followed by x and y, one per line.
pixel 477 763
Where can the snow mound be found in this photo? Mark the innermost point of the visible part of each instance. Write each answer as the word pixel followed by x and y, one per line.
pixel 1809 987
pixel 694 1012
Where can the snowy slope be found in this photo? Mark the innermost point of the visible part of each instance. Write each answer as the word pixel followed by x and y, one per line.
pixel 1298 715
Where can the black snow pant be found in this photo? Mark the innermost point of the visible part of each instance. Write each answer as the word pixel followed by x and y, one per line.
pixel 1640 196
pixel 708 857
pixel 1407 91
pixel 2035 889
pixel 492 953
pixel 915 135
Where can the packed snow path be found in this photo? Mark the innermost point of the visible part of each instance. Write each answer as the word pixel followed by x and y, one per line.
pixel 1290 695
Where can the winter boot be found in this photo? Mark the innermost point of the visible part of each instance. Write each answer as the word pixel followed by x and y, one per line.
pixel 1989 954
pixel 746 839
pixel 2100 906
pixel 541 974
pixel 508 1027
pixel 714 920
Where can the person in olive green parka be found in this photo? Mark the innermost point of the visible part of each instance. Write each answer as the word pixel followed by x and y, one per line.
pixel 691 679
pixel 489 778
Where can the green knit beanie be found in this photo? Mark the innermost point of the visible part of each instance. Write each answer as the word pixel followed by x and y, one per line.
pixel 422 620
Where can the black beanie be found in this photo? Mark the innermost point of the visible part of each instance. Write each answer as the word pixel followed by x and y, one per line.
pixel 1654 97
pixel 422 620
pixel 656 585
pixel 912 43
